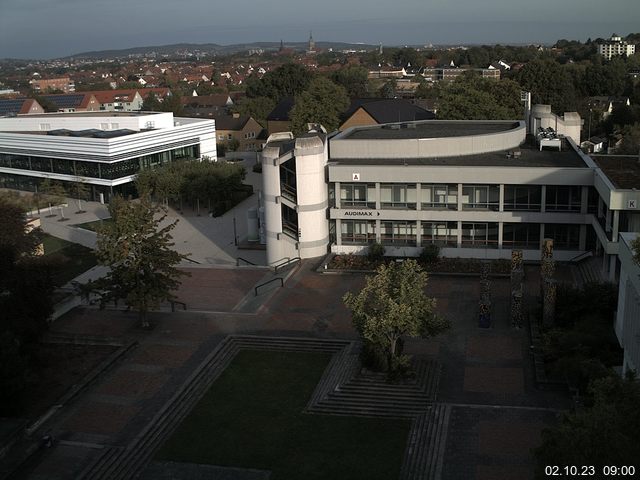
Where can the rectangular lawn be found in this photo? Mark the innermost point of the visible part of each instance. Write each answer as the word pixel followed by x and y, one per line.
pixel 252 417
pixel 72 259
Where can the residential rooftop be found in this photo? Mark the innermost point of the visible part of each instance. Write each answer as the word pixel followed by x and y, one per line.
pixel 622 170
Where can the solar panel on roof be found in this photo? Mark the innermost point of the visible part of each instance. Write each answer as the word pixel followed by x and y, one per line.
pixel 10 106
pixel 65 101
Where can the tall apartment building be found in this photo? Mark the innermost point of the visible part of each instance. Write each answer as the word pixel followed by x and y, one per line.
pixel 615 46
pixel 44 84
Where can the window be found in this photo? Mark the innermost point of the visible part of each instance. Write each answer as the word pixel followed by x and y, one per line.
pixel 521 235
pixel 479 235
pixel 440 233
pixel 356 232
pixel 481 197
pixel 563 198
pixel 230 136
pixel 398 196
pixel 565 237
pixel 522 198
pixel 357 195
pixel 398 233
pixel 439 196
pixel 289 222
pixel 220 137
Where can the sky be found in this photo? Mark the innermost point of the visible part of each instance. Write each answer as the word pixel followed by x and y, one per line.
pixel 57 28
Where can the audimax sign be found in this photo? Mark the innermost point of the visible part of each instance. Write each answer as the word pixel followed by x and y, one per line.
pixel 361 213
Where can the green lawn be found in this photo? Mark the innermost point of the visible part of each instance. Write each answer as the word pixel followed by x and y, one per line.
pixel 68 259
pixel 93 226
pixel 252 418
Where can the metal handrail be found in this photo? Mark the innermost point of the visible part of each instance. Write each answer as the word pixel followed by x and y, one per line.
pixel 288 262
pixel 244 260
pixel 582 256
pixel 255 290
pixel 173 305
pixel 281 259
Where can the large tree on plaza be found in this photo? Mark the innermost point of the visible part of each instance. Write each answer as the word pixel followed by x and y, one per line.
pixel 138 251
pixel 393 304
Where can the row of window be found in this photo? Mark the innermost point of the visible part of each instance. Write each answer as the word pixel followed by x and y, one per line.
pixel 445 234
pixel 104 170
pixel 485 197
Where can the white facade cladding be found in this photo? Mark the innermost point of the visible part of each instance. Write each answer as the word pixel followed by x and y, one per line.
pixel 104 150
pixel 477 189
pixel 295 197
pixel 627 324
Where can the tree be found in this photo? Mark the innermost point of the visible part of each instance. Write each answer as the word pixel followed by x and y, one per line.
pixel 151 103
pixel 630 140
pixel 550 83
pixel 25 284
pixel 53 193
pixel 605 433
pixel 322 102
pixel 354 79
pixel 287 80
pixel 393 304
pixel 635 247
pixel 80 190
pixel 256 107
pixel 388 90
pixel 137 250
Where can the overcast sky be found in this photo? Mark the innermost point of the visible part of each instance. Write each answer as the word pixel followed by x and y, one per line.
pixel 55 28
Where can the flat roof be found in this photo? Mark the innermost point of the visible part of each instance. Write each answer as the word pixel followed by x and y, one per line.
pixel 529 156
pixel 622 170
pixel 101 113
pixel 428 129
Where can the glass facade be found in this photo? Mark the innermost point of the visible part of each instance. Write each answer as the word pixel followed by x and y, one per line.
pixel 357 195
pixel 565 237
pixel 439 196
pixel 444 234
pixel 398 233
pixel 480 235
pixel 356 232
pixel 521 235
pixel 485 197
pixel 563 198
pixel 527 198
pixel 104 170
pixel 398 195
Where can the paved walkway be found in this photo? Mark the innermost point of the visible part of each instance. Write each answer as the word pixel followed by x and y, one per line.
pixel 496 412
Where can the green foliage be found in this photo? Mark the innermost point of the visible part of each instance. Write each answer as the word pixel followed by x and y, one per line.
pixel 574 304
pixel 13 374
pixel 139 254
pixel 322 102
pixel 635 246
pixel 287 80
pixel 407 56
pixel 549 83
pixel 354 79
pixel 605 433
pixel 393 304
pixel 630 140
pixel 52 192
pixel 151 103
pixel 388 89
pixel 256 107
pixel 25 282
pixel 430 254
pixel 376 252
pixel 471 97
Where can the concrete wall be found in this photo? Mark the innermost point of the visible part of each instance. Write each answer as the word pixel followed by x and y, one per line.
pixel 627 323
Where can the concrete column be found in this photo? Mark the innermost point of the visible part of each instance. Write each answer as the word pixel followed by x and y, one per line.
pixel 543 200
pixel 459 240
pixel 418 198
pixel 541 234
pixel 337 193
pixel 418 231
pixel 501 209
pixel 459 197
pixel 600 203
pixel 612 267
pixel 377 200
pixel 378 232
pixel 338 232
pixel 584 200
pixel 582 239
pixel 500 228
pixel 607 221
pixel 616 225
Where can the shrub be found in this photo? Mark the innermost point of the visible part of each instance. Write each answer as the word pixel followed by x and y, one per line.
pixel 430 254
pixel 376 252
pixel 372 357
pixel 257 167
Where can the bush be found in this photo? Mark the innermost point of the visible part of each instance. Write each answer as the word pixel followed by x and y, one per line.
pixel 430 254
pixel 257 167
pixel 221 149
pixel 372 357
pixel 376 252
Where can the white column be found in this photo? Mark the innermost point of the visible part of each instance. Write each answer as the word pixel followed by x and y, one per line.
pixel 500 232
pixel 418 198
pixel 501 209
pixel 377 201
pixel 459 198
pixel 338 232
pixel 459 240
pixel 419 232
pixel 336 189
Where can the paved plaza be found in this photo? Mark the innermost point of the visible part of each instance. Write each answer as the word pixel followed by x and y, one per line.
pixel 487 380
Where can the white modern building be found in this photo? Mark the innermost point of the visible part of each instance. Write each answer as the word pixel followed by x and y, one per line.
pixel 103 149
pixel 615 46
pixel 478 189
pixel 627 324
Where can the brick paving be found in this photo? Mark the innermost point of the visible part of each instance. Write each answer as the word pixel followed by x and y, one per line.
pixel 489 368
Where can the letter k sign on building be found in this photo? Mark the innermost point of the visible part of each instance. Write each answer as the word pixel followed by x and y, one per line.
pixel 355 177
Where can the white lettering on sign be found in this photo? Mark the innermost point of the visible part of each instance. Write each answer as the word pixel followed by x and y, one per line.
pixel 632 204
pixel 355 177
